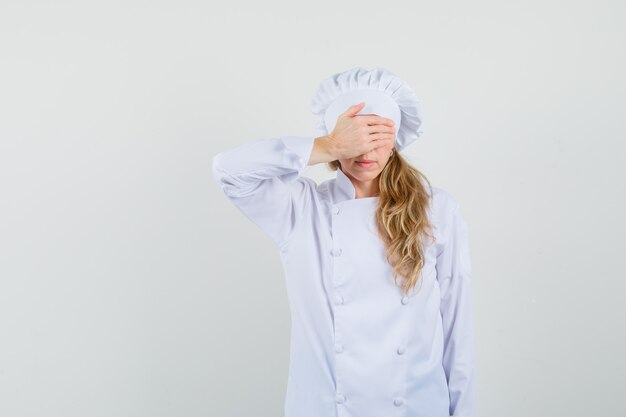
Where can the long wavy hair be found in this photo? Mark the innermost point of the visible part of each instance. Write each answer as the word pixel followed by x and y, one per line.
pixel 401 218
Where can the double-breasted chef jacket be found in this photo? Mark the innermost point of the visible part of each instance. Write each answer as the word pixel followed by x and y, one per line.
pixel 359 346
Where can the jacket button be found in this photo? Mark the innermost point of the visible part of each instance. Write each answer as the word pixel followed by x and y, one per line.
pixel 336 251
pixel 401 350
pixel 335 209
pixel 405 299
pixel 339 299
pixel 340 398
pixel 338 348
pixel 398 401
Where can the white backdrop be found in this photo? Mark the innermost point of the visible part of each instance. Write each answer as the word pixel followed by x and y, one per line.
pixel 129 286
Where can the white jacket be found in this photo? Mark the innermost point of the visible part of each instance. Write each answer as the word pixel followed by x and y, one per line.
pixel 359 347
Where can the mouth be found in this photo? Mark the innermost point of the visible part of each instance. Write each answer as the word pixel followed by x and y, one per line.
pixel 365 163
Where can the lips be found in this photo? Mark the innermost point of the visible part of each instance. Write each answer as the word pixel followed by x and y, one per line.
pixel 365 164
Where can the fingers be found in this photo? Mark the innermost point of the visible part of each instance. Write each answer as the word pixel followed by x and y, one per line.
pixel 380 129
pixel 372 119
pixel 354 109
pixel 381 139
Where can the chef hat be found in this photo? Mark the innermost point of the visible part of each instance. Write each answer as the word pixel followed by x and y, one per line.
pixel 384 94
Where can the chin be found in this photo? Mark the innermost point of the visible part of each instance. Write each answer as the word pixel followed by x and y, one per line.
pixel 365 176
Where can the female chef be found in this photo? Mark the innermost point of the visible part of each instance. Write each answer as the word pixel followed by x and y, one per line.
pixel 376 263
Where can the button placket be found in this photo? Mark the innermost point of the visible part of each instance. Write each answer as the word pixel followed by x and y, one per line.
pixel 339 300
pixel 402 357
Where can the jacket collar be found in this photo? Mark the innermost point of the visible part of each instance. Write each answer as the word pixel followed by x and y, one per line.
pixel 344 190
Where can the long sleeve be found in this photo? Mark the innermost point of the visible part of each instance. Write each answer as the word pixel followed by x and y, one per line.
pixel 455 279
pixel 262 178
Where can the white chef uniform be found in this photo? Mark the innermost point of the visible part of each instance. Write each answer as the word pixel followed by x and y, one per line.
pixel 359 347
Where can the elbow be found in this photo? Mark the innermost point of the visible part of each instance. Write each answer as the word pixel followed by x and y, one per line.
pixel 217 170
pixel 233 186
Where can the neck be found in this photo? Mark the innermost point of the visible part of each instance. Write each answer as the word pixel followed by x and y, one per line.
pixel 365 189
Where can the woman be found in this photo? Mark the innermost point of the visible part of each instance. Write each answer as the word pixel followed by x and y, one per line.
pixel 376 264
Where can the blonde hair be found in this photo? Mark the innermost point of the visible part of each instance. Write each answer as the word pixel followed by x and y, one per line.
pixel 402 218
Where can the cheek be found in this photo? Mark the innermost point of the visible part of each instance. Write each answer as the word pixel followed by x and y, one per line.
pixel 384 151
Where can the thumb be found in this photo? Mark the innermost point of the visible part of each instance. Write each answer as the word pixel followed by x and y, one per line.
pixel 353 110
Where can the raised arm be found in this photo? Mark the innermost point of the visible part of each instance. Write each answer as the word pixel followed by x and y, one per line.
pixel 262 178
pixel 454 276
